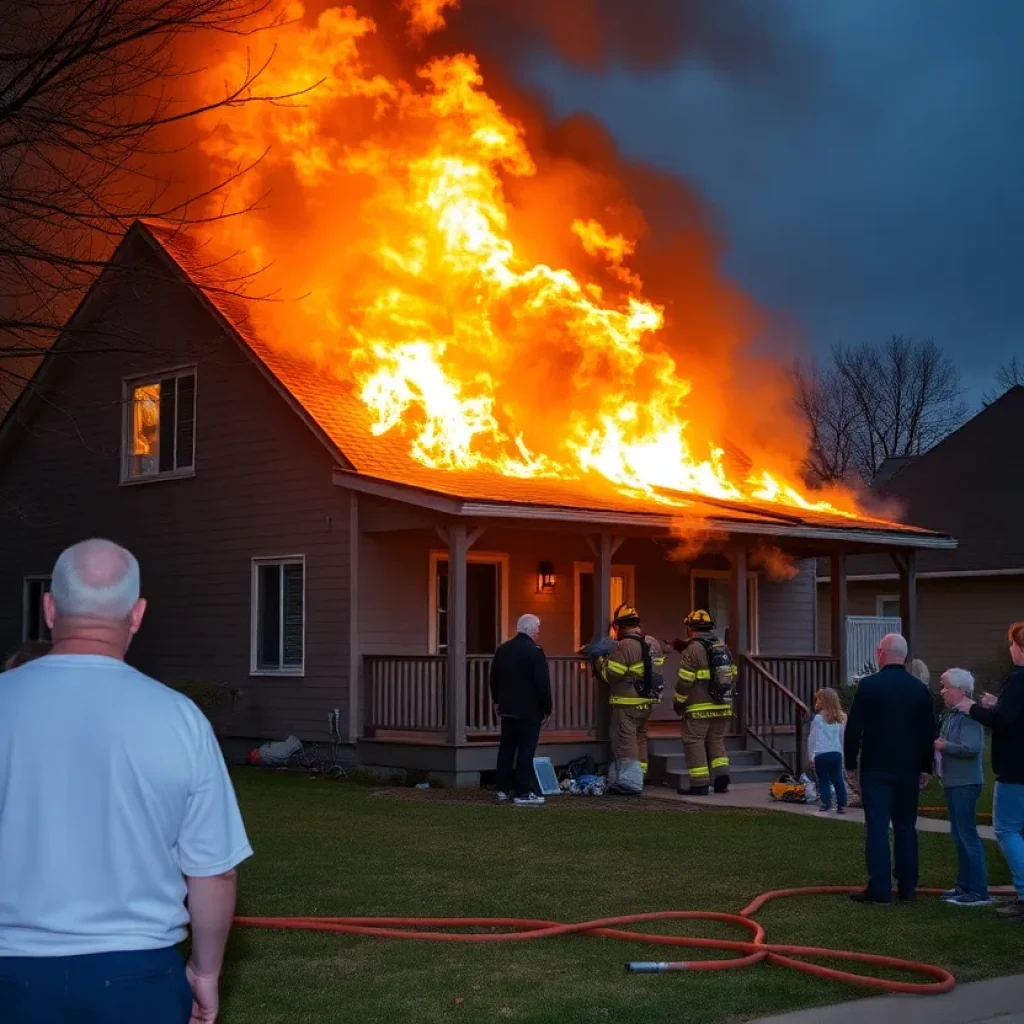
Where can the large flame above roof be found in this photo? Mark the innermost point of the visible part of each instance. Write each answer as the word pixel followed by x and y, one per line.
pixel 490 340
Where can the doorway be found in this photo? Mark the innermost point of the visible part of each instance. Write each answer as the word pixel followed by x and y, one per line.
pixel 712 590
pixel 486 599
pixel 583 598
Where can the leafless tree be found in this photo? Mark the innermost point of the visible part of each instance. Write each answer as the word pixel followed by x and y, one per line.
pixel 91 92
pixel 1009 375
pixel 872 402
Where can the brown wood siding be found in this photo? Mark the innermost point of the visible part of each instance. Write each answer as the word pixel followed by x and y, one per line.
pixel 262 487
pixel 962 622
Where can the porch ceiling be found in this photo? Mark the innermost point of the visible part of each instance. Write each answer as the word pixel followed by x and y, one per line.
pixel 472 496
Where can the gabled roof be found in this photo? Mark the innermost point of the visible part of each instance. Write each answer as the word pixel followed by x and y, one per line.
pixel 968 485
pixel 341 420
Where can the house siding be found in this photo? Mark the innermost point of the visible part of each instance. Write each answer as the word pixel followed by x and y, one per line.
pixel 787 611
pixel 262 487
pixel 961 622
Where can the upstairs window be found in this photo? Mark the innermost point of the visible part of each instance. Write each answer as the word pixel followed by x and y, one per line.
pixel 33 623
pixel 278 616
pixel 160 425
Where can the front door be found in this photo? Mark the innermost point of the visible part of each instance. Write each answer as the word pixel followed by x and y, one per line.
pixel 483 606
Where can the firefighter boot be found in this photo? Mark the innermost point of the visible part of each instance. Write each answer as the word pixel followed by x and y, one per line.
pixel 722 783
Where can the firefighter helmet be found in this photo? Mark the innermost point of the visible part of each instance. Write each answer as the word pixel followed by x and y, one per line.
pixel 626 615
pixel 700 621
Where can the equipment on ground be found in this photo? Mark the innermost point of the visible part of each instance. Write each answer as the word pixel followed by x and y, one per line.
pixel 547 780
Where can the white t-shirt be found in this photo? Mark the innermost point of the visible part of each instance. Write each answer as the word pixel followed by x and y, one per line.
pixel 112 788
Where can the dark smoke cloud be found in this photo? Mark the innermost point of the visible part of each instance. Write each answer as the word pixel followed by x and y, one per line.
pixel 643 35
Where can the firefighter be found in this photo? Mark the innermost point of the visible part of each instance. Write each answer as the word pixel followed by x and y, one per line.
pixel 703 697
pixel 631 664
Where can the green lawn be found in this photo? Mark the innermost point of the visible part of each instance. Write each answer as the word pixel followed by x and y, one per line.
pixel 337 848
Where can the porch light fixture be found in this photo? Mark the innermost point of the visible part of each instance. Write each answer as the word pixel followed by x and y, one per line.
pixel 545 578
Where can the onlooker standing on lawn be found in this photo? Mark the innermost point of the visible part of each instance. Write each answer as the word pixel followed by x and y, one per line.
pixel 521 687
pixel 919 670
pixel 1005 717
pixel 825 748
pixel 890 734
pixel 130 810
pixel 958 761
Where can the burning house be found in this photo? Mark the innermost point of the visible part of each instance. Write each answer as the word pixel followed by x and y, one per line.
pixel 453 400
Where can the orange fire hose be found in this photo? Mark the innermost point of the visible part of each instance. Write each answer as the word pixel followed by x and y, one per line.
pixel 752 951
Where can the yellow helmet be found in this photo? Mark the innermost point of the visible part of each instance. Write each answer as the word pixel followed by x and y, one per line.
pixel 626 615
pixel 699 620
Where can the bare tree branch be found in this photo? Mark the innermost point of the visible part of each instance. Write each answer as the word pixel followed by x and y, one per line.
pixel 1009 375
pixel 872 402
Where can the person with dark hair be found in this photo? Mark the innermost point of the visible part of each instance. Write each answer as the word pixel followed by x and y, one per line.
pixel 1004 715
pixel 28 651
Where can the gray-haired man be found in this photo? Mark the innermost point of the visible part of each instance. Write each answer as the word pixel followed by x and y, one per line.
pixel 132 811
pixel 521 687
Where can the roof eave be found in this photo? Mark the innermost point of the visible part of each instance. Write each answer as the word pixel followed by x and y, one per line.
pixel 455 506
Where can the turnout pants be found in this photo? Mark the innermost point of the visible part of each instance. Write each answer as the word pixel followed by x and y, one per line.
pixel 627 733
pixel 704 746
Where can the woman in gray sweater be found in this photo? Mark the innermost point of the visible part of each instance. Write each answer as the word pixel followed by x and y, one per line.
pixel 958 752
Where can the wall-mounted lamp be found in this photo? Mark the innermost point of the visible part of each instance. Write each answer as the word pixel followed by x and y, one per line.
pixel 545 578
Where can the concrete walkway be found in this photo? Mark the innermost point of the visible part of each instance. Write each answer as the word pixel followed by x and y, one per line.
pixel 997 1001
pixel 754 795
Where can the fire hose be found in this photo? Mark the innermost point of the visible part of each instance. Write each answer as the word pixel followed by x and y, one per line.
pixel 753 951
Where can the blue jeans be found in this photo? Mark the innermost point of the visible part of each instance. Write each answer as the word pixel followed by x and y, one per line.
pixel 829 769
pixel 889 797
pixel 1008 819
pixel 971 871
pixel 142 987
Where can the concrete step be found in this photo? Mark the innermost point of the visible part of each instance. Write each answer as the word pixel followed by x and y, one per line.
pixel 760 773
pixel 677 762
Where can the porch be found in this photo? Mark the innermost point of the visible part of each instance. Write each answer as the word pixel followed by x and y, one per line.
pixel 439 582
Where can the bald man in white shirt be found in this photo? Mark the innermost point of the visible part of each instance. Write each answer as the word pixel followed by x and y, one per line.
pixel 130 811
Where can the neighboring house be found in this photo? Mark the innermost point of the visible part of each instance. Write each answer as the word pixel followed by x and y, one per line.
pixel 289 553
pixel 967 485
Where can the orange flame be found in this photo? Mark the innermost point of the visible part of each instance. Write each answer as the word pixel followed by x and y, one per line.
pixel 422 291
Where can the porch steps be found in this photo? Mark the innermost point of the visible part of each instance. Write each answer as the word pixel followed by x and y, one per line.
pixel 668 763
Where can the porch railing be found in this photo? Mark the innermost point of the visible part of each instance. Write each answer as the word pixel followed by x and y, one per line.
pixel 406 693
pixel 803 674
pixel 771 713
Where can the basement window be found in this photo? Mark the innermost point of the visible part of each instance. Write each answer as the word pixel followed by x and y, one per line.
pixel 278 616
pixel 160 426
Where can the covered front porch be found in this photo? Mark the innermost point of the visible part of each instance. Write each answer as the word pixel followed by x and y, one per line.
pixel 441 582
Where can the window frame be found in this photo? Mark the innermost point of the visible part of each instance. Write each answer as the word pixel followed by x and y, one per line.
pixel 753 601
pixel 880 600
pixel 128 385
pixel 27 581
pixel 499 558
pixel 627 572
pixel 293 671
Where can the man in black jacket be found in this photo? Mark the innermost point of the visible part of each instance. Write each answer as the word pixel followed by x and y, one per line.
pixel 1005 717
pixel 890 733
pixel 521 687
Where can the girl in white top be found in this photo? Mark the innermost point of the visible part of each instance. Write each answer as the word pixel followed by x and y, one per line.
pixel 825 749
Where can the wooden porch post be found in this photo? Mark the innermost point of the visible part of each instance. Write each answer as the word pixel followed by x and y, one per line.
pixel 458 548
pixel 602 585
pixel 906 562
pixel 739 637
pixel 838 595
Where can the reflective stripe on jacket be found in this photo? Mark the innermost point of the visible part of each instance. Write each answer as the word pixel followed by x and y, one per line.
pixel 623 666
pixel 691 697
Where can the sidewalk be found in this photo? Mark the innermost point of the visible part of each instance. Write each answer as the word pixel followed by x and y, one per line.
pixel 996 1001
pixel 754 795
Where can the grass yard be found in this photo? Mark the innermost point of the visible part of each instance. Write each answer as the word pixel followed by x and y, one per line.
pixel 338 848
